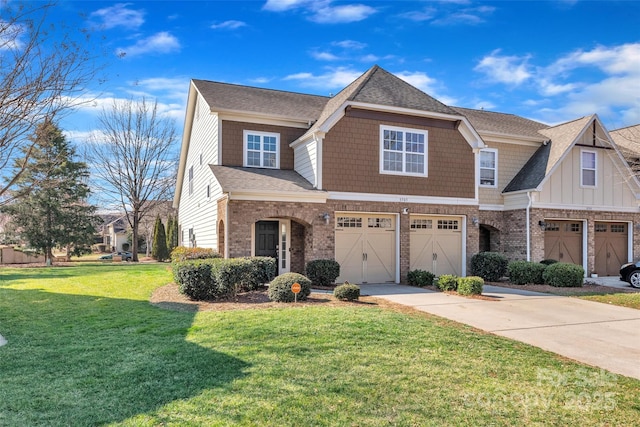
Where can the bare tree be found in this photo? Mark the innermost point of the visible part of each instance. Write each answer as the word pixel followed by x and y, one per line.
pixel 43 71
pixel 133 159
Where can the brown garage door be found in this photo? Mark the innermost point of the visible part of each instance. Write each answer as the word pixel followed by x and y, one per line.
pixel 563 241
pixel 610 247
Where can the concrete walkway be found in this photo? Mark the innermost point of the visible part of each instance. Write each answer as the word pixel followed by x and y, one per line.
pixel 594 333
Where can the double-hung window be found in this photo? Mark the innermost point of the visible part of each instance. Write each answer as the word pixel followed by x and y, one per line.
pixel 588 168
pixel 403 151
pixel 261 149
pixel 489 167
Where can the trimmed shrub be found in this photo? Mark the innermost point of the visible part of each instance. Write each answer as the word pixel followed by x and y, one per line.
pixel 491 266
pixel 195 280
pixel 564 275
pixel 471 285
pixel 280 287
pixel 525 272
pixel 322 272
pixel 447 282
pixel 347 292
pixel 420 278
pixel 263 269
pixel 548 261
pixel 182 253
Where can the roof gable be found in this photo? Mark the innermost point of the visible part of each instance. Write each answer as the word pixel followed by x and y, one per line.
pixel 540 166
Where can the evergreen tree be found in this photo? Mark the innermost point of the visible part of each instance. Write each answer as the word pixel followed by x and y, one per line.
pixel 172 233
pixel 49 205
pixel 159 250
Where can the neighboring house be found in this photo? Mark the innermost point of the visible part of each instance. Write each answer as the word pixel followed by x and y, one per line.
pixel 114 232
pixel 386 179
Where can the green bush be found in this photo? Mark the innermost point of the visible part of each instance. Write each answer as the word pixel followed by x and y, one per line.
pixel 195 280
pixel 525 272
pixel 420 278
pixel 471 285
pixel 182 253
pixel 280 287
pixel 347 292
pixel 235 275
pixel 491 266
pixel 447 282
pixel 263 270
pixel 322 272
pixel 548 261
pixel 564 275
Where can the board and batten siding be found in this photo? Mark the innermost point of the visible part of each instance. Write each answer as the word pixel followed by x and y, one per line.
pixel 196 210
pixel 306 161
pixel 612 188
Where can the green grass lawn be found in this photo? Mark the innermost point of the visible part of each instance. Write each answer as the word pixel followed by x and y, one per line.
pixel 631 300
pixel 86 348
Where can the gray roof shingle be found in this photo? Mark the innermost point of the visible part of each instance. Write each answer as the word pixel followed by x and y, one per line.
pixel 502 123
pixel 241 179
pixel 230 97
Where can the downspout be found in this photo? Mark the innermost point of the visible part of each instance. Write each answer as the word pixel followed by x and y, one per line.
pixel 227 224
pixel 529 225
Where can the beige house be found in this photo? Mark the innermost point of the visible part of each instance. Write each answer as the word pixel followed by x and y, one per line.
pixel 386 179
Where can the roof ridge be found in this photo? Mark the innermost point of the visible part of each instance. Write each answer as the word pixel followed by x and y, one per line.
pixel 626 127
pixel 570 121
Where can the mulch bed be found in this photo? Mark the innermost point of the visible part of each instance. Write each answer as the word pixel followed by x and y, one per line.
pixel 169 297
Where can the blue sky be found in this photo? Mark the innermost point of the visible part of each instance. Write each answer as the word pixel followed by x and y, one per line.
pixel 551 61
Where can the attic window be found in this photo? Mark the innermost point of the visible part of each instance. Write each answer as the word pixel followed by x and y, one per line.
pixel 261 149
pixel 488 167
pixel 588 167
pixel 403 151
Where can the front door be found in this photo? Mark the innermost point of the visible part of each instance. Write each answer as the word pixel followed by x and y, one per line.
pixel 267 238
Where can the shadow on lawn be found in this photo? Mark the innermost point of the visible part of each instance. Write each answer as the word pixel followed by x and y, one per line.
pixel 86 360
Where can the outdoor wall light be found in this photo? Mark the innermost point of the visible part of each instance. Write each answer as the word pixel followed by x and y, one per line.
pixel 405 211
pixel 475 221
pixel 325 216
pixel 543 225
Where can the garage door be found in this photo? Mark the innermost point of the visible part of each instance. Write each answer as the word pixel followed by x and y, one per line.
pixel 563 241
pixel 611 240
pixel 365 248
pixel 436 244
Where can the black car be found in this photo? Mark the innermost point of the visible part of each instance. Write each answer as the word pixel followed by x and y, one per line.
pixel 631 273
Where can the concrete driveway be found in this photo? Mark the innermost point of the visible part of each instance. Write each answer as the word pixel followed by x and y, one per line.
pixel 594 333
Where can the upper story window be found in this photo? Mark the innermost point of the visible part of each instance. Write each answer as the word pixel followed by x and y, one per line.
pixel 403 151
pixel 588 167
pixel 191 180
pixel 489 167
pixel 261 149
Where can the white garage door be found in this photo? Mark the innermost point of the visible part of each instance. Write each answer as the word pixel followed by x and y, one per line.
pixel 365 248
pixel 436 244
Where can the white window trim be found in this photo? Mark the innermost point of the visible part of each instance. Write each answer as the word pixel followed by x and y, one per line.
pixel 261 134
pixel 495 177
pixel 595 169
pixel 426 151
pixel 191 178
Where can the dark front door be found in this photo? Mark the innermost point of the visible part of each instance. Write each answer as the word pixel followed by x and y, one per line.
pixel 267 238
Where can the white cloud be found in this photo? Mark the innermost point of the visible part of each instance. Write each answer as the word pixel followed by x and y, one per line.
pixel 512 70
pixel 282 5
pixel 337 78
pixel 324 56
pixel 118 15
pixel 447 15
pixel 162 42
pixel 228 25
pixel 323 11
pixel 342 14
pixel 349 44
